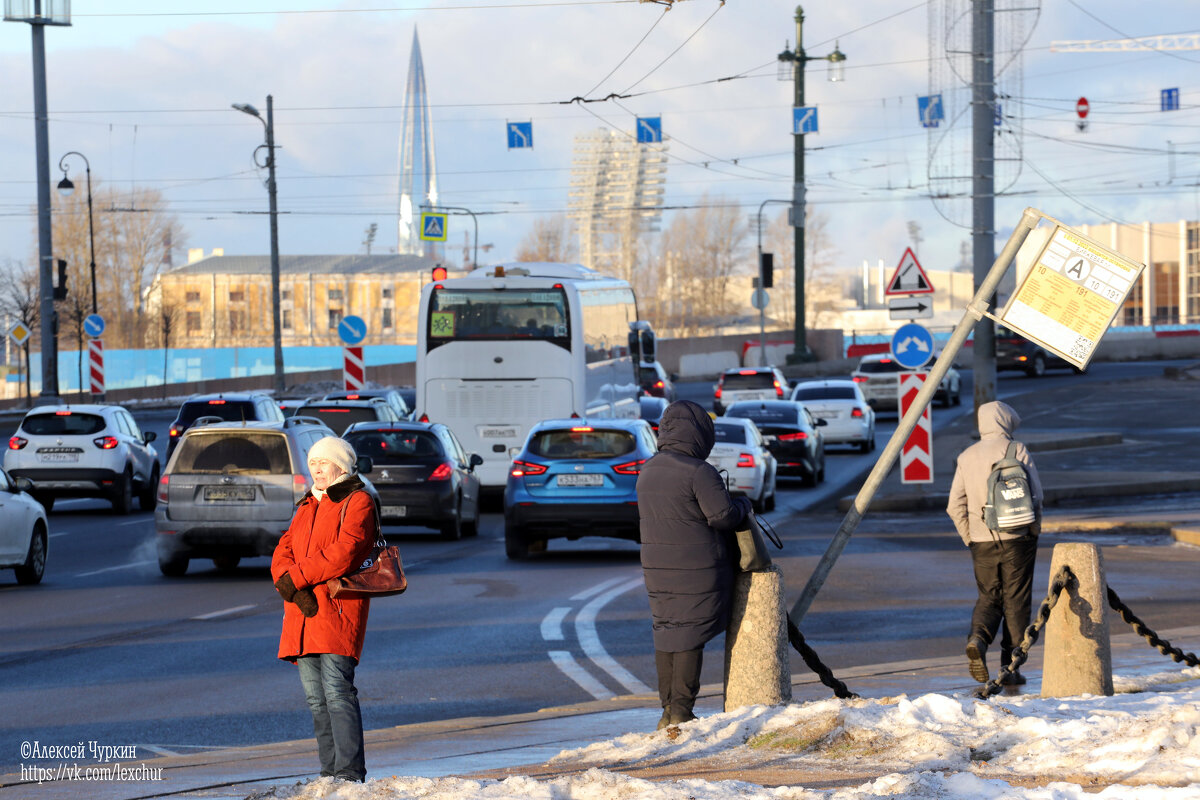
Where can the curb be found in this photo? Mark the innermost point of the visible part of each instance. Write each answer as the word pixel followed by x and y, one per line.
pixel 1186 536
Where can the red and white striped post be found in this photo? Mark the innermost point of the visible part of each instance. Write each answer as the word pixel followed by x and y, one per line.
pixel 916 457
pixel 96 365
pixel 353 370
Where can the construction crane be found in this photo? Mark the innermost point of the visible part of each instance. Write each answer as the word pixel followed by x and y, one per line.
pixel 1168 41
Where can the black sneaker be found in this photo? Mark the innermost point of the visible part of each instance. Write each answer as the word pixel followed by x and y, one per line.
pixel 1013 679
pixel 976 650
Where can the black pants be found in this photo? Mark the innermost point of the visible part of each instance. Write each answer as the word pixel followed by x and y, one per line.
pixel 1004 577
pixel 678 682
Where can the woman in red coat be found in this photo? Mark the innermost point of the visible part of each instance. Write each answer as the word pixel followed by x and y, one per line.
pixel 331 534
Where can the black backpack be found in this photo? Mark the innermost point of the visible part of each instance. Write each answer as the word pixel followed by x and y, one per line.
pixel 1008 504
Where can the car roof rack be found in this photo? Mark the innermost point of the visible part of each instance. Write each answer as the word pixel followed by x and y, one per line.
pixel 302 419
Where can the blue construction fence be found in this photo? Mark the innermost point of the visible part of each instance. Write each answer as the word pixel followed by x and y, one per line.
pixel 128 369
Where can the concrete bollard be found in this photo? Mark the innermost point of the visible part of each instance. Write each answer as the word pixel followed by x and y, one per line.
pixel 1078 655
pixel 757 665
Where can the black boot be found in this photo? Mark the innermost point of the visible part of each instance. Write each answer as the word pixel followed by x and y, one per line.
pixel 976 651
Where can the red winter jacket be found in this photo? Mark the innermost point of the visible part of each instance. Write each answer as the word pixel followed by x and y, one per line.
pixel 313 550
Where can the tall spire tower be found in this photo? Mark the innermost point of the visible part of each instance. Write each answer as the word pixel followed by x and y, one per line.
pixel 418 166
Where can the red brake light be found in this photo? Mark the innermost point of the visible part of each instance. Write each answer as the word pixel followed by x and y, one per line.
pixel 16 443
pixel 745 460
pixel 442 472
pixel 106 442
pixel 747 372
pixel 174 432
pixel 424 418
pixel 793 437
pixel 778 389
pixel 520 468
pixel 62 413
pixel 885 361
pixel 581 430
pixel 299 486
pixel 163 486
pixel 861 379
pixel 856 413
pixel 629 467
pixel 717 393
pixel 658 384
pixel 216 402
pixel 353 396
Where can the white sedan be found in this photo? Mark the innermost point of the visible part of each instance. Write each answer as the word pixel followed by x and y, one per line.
pixel 23 531
pixel 848 416
pixel 741 455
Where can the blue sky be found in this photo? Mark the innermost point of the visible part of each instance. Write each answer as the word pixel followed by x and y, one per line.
pixel 144 90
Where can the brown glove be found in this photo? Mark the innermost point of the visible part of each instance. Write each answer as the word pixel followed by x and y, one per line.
pixel 286 588
pixel 307 600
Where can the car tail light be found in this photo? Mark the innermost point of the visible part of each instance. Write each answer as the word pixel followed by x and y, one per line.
pixel 717 392
pixel 520 468
pixel 581 430
pixel 747 372
pixel 442 473
pixel 629 467
pixel 1022 358
pixel 857 413
pixel 745 460
pixel 299 486
pixel 163 486
pixel 216 402
pixel 659 385
pixel 885 361
pixel 106 442
pixel 174 432
pixel 353 396
pixel 62 413
pixel 860 379
pixel 778 389
pixel 16 443
pixel 424 418
pixel 793 437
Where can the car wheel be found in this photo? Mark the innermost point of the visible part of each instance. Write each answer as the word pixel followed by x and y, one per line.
pixel 122 499
pixel 148 498
pixel 760 505
pixel 46 500
pixel 769 503
pixel 227 563
pixel 1037 367
pixel 821 471
pixel 515 547
pixel 866 444
pixel 171 563
pixel 31 571
pixel 452 529
pixel 471 528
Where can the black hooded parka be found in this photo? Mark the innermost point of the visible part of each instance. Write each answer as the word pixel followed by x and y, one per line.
pixel 687 520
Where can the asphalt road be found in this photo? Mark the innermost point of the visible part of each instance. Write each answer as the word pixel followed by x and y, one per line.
pixel 107 649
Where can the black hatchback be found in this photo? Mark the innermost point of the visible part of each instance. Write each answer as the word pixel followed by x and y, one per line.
pixel 422 474
pixel 225 407
pixel 793 435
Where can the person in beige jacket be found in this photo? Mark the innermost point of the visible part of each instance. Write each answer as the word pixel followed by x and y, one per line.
pixel 1003 560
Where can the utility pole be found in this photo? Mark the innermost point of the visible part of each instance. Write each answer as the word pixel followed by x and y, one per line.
pixel 983 187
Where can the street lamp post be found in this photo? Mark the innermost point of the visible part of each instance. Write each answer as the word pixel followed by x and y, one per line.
pixel 797 61
pixel 474 219
pixel 276 328
pixel 66 189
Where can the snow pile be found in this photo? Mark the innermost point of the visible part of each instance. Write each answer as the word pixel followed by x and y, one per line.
pixel 1146 743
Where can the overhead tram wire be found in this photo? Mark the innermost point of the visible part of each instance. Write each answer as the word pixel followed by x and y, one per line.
pixel 677 49
pixel 393 9
pixel 621 63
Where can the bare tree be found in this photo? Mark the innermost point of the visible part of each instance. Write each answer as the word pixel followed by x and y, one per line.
pixel 71 314
pixel 704 248
pixel 135 236
pixel 822 289
pixel 549 240
pixel 19 301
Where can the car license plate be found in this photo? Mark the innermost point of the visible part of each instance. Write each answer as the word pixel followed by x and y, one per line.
pixel 498 433
pixel 59 456
pixel 587 479
pixel 222 493
pixel 394 511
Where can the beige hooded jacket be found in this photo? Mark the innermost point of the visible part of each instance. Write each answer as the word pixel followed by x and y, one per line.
pixel 997 421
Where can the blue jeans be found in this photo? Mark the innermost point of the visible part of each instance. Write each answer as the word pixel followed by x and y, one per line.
pixel 328 682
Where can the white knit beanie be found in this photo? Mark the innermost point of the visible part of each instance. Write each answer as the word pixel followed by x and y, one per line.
pixel 339 451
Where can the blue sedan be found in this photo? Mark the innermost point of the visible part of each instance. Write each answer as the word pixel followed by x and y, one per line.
pixel 575 478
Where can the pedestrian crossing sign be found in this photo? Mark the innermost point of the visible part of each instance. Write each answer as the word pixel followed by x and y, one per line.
pixel 433 227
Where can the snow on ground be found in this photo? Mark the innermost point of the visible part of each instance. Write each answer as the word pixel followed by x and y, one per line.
pixel 1145 741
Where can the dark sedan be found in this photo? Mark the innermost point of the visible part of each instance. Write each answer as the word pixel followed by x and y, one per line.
pixel 422 474
pixel 793 435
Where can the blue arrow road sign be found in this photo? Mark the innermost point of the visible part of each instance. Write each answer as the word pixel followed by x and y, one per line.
pixel 520 135
pixel 804 119
pixel 912 346
pixel 1170 99
pixel 930 108
pixel 649 130
pixel 93 325
pixel 352 329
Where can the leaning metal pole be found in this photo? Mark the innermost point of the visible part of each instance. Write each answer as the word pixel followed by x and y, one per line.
pixel 888 457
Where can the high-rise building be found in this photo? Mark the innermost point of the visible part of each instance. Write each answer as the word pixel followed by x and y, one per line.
pixel 616 193
pixel 418 166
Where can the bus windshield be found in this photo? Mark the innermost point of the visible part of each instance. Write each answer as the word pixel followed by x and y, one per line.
pixel 464 314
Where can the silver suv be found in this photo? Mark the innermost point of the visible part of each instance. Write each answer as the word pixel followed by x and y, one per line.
pixel 231 488
pixel 85 451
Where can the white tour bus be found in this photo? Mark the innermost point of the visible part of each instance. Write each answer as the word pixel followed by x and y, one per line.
pixel 510 345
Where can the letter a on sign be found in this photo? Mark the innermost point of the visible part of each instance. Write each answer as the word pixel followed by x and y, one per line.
pixel 909 277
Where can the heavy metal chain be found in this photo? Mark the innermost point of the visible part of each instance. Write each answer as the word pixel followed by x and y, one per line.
pixel 1062 580
pixel 1149 635
pixel 814 662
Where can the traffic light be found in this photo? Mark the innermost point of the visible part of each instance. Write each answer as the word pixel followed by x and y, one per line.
pixel 766 267
pixel 439 273
pixel 60 291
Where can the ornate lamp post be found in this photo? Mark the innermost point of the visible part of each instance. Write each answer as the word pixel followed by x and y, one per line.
pixel 66 189
pixel 794 63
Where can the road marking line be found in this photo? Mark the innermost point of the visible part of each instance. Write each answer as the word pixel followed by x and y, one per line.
pixel 223 612
pixel 67 533
pixel 599 587
pixel 162 751
pixel 552 624
pixel 589 640
pixel 130 565
pixel 570 667
pixel 135 522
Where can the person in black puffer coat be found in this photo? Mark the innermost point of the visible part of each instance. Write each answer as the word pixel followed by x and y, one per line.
pixel 687 519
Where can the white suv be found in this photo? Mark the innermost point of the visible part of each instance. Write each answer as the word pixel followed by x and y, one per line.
pixel 85 451
pixel 749 383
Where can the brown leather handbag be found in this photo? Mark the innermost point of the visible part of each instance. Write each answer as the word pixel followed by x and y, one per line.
pixel 380 575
